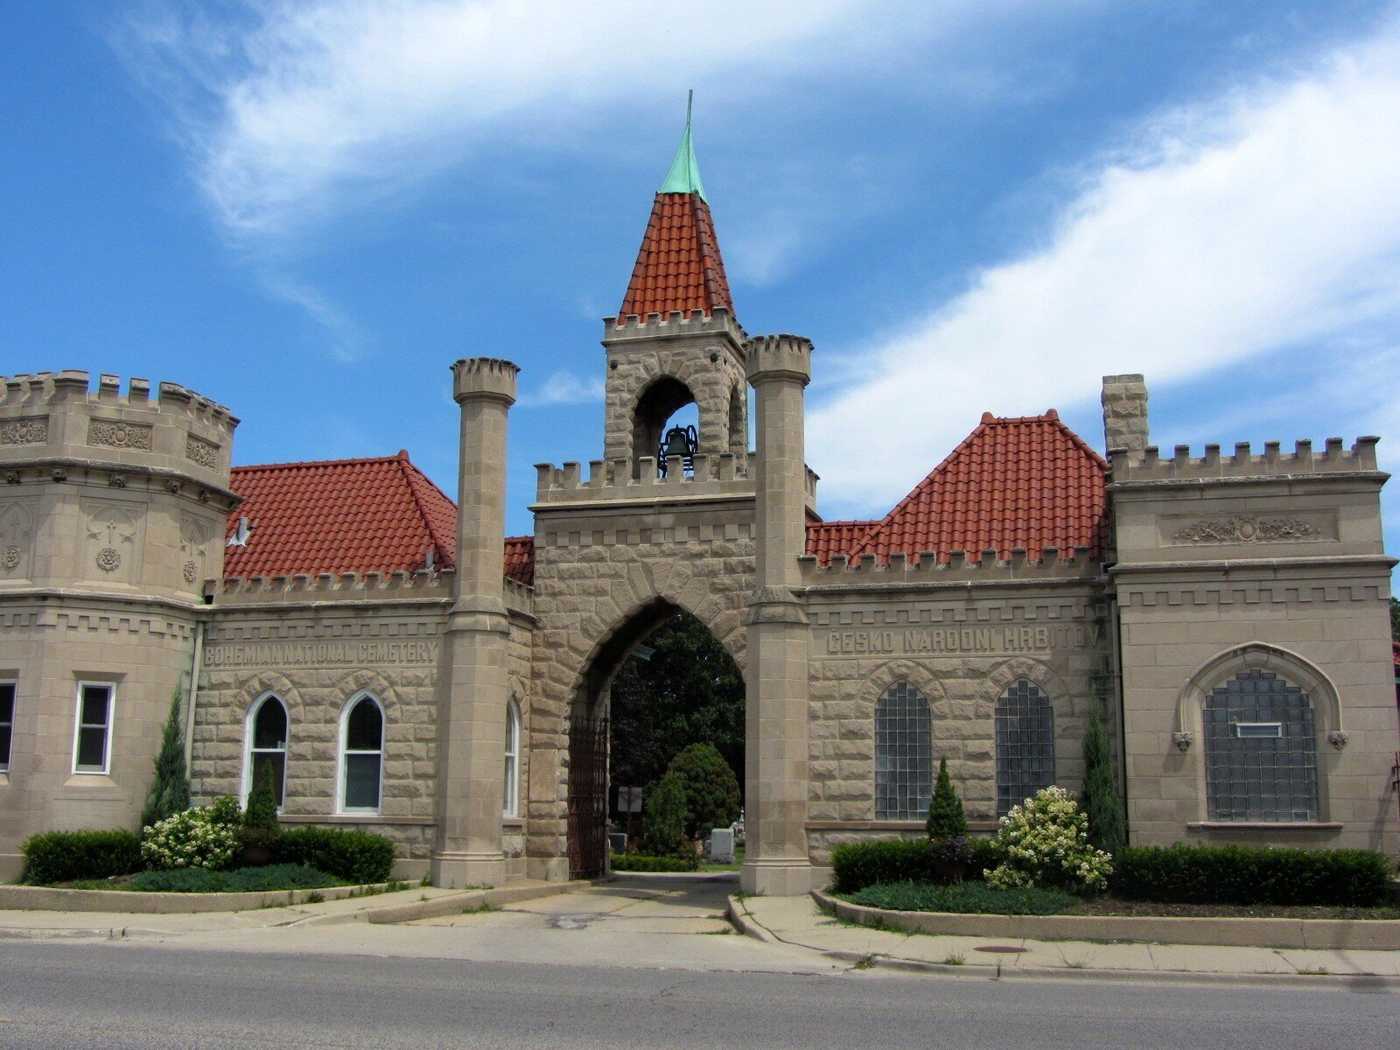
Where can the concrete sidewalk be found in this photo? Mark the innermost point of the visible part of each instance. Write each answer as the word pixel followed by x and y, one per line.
pixel 797 921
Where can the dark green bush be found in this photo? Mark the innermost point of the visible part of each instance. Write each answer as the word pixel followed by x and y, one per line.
pixel 861 864
pixel 642 862
pixel 966 897
pixel 355 856
pixel 62 856
pixel 1251 875
pixel 240 880
pixel 711 789
pixel 946 819
pixel 1100 800
pixel 170 786
pixel 262 800
pixel 224 811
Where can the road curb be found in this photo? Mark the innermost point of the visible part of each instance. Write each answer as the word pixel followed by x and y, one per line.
pixel 137 902
pixel 749 925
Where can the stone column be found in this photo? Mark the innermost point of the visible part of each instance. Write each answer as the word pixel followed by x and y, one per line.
pixel 472 687
pixel 1124 402
pixel 775 733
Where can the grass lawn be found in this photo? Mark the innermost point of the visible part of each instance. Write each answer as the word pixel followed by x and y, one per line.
pixel 738 862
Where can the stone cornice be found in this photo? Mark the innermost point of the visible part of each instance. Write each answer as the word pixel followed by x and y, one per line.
pixel 1377 562
pixel 58 469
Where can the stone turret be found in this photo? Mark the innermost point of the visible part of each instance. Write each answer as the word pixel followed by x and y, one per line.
pixel 473 691
pixel 777 862
pixel 1124 401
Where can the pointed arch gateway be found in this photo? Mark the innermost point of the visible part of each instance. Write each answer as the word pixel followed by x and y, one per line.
pixel 660 681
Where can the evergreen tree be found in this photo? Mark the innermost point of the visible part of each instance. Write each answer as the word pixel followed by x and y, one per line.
pixel 262 800
pixel 946 818
pixel 1395 619
pixel 1100 801
pixel 170 787
pixel 711 789
pixel 663 819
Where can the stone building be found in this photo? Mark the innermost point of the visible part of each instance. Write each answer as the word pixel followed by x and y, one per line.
pixel 405 667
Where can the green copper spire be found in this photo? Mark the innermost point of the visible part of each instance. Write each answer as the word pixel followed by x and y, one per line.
pixel 684 176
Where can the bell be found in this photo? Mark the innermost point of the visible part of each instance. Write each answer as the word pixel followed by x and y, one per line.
pixel 676 443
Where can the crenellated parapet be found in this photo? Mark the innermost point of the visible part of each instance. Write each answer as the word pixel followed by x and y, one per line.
pixel 59 415
pixel 1148 465
pixel 959 568
pixel 779 355
pixel 302 588
pixel 696 323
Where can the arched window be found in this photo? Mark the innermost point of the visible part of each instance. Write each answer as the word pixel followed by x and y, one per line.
pixel 656 406
pixel 510 799
pixel 1025 744
pixel 266 734
pixel 903 754
pixel 1260 750
pixel 361 754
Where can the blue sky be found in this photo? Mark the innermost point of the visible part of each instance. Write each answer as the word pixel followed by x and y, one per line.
pixel 308 210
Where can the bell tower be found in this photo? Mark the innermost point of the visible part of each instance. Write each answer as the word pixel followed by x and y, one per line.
pixel 675 340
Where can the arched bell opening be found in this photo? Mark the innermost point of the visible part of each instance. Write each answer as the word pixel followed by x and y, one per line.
pixel 665 404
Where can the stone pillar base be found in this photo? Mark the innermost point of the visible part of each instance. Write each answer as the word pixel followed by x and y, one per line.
pixel 452 871
pixel 547 869
pixel 776 878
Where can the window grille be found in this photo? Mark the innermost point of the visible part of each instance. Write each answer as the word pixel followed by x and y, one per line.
pixel 1260 750
pixel 903 754
pixel 1025 729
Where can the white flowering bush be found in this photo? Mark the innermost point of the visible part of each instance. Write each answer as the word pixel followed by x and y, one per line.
pixel 1045 842
pixel 192 839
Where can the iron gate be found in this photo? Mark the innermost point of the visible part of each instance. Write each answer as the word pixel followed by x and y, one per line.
pixel 588 797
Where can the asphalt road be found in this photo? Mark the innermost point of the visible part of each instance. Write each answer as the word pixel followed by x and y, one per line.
pixel 115 995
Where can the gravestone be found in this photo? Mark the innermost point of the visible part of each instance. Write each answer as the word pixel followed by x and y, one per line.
pixel 722 845
pixel 617 841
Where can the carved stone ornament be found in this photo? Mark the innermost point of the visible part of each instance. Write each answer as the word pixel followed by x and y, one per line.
pixel 113 433
pixel 10 559
pixel 202 452
pixel 33 430
pixel 1245 530
pixel 1337 738
pixel 1182 741
pixel 109 559
pixel 189 571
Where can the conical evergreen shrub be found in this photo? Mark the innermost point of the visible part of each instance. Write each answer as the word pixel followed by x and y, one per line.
pixel 170 788
pixel 946 819
pixel 663 819
pixel 1100 801
pixel 262 801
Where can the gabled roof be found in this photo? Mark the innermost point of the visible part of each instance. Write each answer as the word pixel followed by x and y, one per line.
pixel 377 514
pixel 679 266
pixel 1020 482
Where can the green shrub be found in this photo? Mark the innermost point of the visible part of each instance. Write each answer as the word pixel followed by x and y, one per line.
pixel 355 856
pixel 189 839
pixel 1252 875
pixel 225 812
pixel 946 819
pixel 860 864
pixel 1100 800
pixel 241 880
pixel 262 800
pixel 711 789
pixel 965 897
pixel 170 787
pixel 642 862
pixel 663 819
pixel 1045 842
pixel 62 856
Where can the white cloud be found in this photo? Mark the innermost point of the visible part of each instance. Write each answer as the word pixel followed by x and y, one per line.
pixel 1253 223
pixel 297 107
pixel 564 388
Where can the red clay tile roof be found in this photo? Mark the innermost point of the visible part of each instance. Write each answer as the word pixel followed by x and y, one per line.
pixel 825 538
pixel 679 266
pixel 1023 482
pixel 348 515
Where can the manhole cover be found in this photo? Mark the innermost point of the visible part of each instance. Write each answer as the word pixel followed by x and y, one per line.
pixel 571 922
pixel 1002 949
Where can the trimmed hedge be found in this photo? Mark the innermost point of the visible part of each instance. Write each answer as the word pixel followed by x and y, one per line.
pixel 355 856
pixel 63 856
pixel 642 862
pixel 240 880
pixel 976 898
pixel 861 864
pixel 1246 875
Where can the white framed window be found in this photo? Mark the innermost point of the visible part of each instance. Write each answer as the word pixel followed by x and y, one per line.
pixel 511 796
pixel 7 723
pixel 266 745
pixel 361 779
pixel 92 728
pixel 903 754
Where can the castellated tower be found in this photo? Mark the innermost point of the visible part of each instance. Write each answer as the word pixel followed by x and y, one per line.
pixel 112 519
